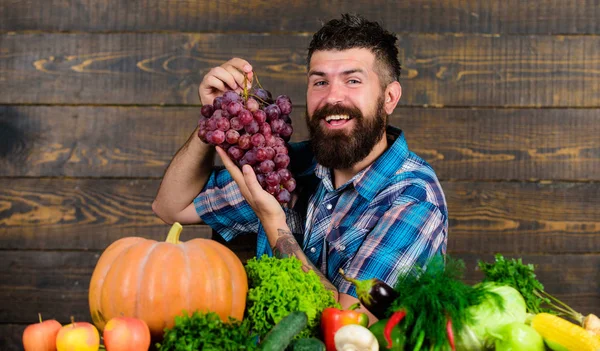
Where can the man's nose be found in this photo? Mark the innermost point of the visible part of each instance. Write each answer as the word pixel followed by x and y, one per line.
pixel 335 94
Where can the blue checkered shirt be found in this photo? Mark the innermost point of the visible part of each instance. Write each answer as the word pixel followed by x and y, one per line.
pixel 387 220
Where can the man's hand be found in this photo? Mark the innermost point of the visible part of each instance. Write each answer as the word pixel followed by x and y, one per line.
pixel 266 207
pixel 271 215
pixel 228 76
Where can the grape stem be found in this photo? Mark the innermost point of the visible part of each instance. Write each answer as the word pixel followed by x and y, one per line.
pixel 256 97
pixel 257 81
pixel 245 92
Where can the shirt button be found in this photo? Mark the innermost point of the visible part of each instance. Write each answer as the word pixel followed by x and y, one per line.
pixel 329 206
pixel 313 250
pixel 342 247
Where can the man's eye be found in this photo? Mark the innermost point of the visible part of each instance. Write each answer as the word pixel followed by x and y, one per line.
pixel 354 81
pixel 319 83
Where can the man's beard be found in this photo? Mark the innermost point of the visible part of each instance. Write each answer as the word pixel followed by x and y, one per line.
pixel 338 150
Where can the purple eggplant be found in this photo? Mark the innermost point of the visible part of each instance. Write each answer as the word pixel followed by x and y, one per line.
pixel 374 294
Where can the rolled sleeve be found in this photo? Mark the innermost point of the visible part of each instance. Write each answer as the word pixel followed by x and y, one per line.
pixel 221 205
pixel 405 237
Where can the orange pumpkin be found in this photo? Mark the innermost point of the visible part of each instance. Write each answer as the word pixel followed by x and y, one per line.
pixel 156 281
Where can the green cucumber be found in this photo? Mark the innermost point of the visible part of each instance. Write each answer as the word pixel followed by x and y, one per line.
pixel 282 334
pixel 308 344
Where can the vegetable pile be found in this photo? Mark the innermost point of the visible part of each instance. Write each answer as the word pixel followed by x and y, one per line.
pixel 434 310
pixel 290 310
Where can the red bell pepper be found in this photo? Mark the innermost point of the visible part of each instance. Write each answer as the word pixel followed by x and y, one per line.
pixel 332 319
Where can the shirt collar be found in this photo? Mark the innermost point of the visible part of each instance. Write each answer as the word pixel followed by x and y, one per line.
pixel 378 174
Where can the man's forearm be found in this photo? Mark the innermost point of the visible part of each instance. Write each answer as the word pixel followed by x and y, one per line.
pixel 284 244
pixel 184 178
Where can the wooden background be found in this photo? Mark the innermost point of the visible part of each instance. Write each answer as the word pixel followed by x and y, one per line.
pixel 501 97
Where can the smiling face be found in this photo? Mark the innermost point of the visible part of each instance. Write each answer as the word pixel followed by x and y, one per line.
pixel 345 110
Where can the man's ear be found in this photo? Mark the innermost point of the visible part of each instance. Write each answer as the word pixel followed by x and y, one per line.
pixel 393 92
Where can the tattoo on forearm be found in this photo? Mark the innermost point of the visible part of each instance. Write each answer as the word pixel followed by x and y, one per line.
pixel 286 246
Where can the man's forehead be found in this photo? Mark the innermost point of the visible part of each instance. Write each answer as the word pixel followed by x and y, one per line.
pixel 332 62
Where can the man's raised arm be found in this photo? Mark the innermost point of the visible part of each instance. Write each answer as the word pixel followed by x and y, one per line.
pixel 184 179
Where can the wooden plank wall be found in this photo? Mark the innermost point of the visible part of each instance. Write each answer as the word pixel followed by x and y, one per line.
pixel 501 97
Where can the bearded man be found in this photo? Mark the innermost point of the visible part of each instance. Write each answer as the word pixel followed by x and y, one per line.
pixel 364 202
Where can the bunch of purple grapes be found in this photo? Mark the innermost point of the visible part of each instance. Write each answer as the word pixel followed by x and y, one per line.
pixel 254 131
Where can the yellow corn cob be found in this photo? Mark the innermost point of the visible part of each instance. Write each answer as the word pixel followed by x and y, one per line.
pixel 560 333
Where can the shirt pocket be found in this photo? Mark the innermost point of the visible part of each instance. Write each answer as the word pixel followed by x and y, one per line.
pixel 346 245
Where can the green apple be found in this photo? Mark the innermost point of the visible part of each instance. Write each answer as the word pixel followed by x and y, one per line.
pixel 518 336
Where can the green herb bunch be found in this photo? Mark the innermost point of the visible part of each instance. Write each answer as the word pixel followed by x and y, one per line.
pixel 520 276
pixel 207 332
pixel 435 295
pixel 279 287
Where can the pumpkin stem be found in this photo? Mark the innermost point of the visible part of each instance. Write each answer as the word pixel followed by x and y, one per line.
pixel 174 232
pixel 40 315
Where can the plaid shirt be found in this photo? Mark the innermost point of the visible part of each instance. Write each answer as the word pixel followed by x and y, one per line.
pixel 387 220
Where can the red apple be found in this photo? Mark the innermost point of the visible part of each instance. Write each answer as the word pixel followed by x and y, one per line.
pixel 126 334
pixel 80 336
pixel 41 336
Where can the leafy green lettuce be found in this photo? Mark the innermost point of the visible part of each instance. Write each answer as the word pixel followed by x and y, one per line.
pixel 280 286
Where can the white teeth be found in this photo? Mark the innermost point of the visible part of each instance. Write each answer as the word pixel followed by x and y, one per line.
pixel 336 118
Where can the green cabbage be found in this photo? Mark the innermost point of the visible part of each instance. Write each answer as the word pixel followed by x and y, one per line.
pixel 490 316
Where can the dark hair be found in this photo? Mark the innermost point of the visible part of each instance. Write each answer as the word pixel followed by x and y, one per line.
pixel 354 31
